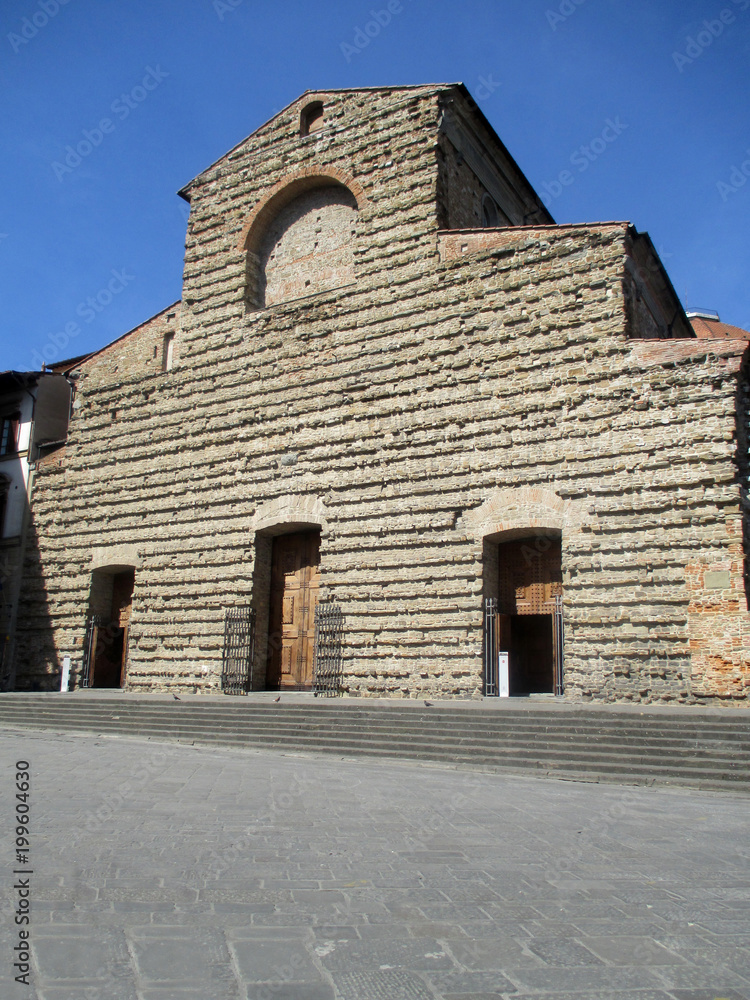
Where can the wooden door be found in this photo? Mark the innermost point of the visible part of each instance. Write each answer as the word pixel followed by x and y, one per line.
pixel 295 581
pixel 504 633
pixel 122 604
pixel 530 576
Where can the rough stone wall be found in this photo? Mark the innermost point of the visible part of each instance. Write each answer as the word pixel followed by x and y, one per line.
pixel 445 396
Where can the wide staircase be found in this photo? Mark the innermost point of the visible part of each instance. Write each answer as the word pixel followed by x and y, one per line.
pixel 684 746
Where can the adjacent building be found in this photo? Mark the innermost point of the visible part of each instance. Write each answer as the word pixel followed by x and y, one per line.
pixel 34 410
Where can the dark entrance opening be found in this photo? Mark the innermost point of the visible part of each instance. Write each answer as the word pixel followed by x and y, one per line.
pixel 529 642
pixel 295 582
pixel 527 610
pixel 111 603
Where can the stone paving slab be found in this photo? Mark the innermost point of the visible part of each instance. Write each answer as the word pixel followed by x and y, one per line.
pixel 170 872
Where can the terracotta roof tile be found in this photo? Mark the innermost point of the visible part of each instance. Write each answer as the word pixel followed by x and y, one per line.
pixel 711 329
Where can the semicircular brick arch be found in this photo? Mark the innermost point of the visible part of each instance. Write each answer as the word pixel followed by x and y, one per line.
pixel 512 512
pixel 289 188
pixel 109 556
pixel 283 513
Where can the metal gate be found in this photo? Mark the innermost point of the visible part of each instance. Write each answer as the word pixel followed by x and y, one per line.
pixel 90 642
pixel 239 649
pixel 328 662
pixel 6 672
pixel 558 636
pixel 491 650
pixel 490 647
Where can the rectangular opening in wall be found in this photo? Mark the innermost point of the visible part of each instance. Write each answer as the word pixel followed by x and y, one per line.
pixel 294 585
pixel 168 352
pixel 526 595
pixel 110 604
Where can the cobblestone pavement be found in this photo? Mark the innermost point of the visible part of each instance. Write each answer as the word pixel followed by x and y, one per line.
pixel 168 872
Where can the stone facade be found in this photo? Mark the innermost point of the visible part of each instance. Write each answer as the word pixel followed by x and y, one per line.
pixel 354 352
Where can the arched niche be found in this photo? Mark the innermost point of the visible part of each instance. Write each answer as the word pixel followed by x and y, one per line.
pixel 299 239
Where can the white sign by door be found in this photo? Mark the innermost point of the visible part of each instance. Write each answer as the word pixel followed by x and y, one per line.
pixel 65 678
pixel 503 683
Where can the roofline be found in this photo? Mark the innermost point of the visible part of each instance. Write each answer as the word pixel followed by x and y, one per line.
pixel 542 225
pixel 462 88
pixel 64 365
pixel 663 270
pixel 83 358
pixel 12 375
pixel 183 192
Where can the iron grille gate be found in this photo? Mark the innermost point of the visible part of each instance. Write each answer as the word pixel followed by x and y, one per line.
pixel 328 661
pixel 6 676
pixel 558 635
pixel 491 650
pixel 239 647
pixel 490 647
pixel 90 642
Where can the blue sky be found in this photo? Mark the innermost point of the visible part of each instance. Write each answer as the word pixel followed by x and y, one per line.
pixel 97 245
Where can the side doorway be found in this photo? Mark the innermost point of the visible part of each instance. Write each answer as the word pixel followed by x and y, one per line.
pixel 527 607
pixel 295 583
pixel 107 638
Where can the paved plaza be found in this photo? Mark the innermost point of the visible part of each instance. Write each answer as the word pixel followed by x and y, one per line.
pixel 175 872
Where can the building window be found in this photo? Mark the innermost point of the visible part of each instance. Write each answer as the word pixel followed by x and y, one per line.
pixel 490 218
pixel 9 434
pixel 168 352
pixel 4 490
pixel 312 118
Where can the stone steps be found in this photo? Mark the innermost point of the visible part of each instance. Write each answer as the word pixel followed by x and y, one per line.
pixel 678 735
pixel 709 740
pixel 677 746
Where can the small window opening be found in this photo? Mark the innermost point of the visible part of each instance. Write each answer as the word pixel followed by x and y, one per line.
pixel 312 118
pixel 168 353
pixel 490 217
pixel 9 434
pixel 4 490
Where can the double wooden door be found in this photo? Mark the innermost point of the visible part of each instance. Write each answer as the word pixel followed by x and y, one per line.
pixel 295 581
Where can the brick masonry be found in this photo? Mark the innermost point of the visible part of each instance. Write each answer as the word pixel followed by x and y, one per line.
pixel 457 384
